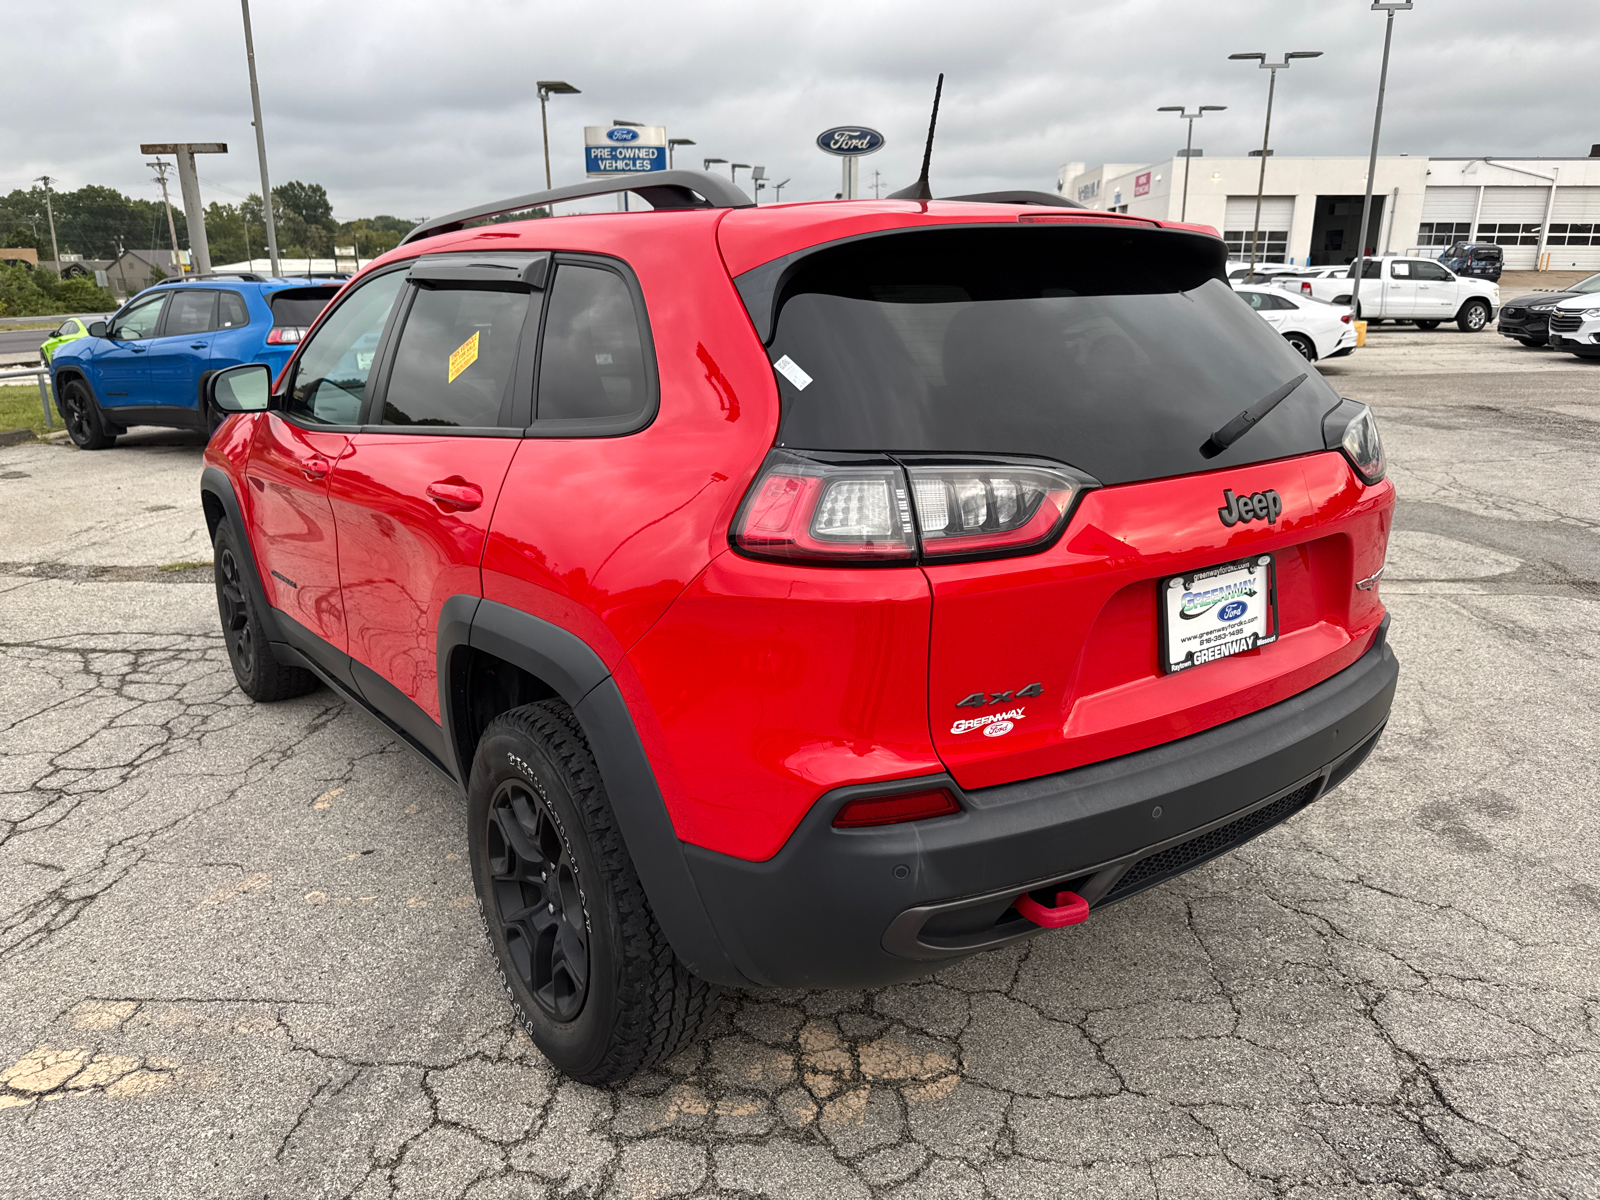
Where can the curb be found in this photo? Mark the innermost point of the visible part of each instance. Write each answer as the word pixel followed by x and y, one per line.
pixel 15 437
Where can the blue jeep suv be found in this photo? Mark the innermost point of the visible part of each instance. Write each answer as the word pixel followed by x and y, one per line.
pixel 148 364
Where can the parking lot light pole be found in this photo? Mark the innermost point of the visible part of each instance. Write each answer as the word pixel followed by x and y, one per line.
pixel 1266 134
pixel 777 191
pixel 673 144
pixel 733 170
pixel 548 88
pixel 706 164
pixel 1391 7
pixel 1188 151
pixel 261 150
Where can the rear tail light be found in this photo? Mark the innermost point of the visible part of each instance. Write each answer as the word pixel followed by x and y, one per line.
pixel 1352 429
pixel 990 507
pixel 1345 318
pixel 879 510
pixel 891 810
pixel 1305 287
pixel 842 509
pixel 285 335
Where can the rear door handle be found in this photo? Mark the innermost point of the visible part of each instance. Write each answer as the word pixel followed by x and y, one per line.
pixel 314 468
pixel 455 494
pixel 138 349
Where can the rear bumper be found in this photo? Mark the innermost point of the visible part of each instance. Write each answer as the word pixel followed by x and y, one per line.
pixel 865 907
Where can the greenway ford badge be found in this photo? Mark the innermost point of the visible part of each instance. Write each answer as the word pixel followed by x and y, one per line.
pixel 1218 612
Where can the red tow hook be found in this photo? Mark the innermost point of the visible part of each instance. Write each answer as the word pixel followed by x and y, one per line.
pixel 1070 909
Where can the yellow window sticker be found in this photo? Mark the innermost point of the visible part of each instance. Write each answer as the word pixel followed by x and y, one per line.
pixel 466 354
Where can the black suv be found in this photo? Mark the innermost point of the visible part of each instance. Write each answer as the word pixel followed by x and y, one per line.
pixel 1527 318
pixel 1482 260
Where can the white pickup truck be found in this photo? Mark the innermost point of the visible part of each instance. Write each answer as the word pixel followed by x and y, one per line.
pixel 1395 288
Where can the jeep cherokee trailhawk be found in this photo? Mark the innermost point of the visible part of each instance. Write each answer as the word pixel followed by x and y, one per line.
pixel 808 595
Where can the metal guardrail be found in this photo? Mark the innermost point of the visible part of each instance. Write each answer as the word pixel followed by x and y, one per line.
pixel 43 376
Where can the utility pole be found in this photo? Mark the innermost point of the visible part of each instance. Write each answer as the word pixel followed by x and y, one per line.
pixel 1372 160
pixel 1188 151
pixel 50 212
pixel 1266 135
pixel 261 151
pixel 161 170
pixel 877 189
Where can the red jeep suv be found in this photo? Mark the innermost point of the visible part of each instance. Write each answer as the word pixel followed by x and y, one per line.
pixel 808 595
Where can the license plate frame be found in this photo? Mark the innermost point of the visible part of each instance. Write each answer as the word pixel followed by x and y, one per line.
pixel 1241 580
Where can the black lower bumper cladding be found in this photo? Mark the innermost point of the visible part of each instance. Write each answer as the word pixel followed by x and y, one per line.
pixel 865 907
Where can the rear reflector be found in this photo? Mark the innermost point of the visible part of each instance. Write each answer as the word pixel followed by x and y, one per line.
pixel 891 810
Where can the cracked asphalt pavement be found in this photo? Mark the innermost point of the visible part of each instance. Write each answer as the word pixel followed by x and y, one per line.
pixel 239 952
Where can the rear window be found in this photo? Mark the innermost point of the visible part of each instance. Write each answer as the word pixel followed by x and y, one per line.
pixel 299 306
pixel 1118 352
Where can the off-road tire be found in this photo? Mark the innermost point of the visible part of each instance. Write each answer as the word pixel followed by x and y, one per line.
pixel 86 425
pixel 1427 324
pixel 1303 346
pixel 639 1005
pixel 1472 318
pixel 261 676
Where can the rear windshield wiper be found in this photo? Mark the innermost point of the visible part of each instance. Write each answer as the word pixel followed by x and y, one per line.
pixel 1245 421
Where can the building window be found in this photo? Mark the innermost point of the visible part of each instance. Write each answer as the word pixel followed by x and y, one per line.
pixel 1574 235
pixel 1272 245
pixel 1443 233
pixel 1510 234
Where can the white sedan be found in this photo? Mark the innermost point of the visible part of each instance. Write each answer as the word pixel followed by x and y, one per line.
pixel 1313 327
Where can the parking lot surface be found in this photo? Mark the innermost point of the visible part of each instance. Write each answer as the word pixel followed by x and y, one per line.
pixel 240 954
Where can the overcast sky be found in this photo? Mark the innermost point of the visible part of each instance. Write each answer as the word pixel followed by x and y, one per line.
pixel 416 109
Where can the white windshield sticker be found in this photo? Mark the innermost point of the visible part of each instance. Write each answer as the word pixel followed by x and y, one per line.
pixel 791 371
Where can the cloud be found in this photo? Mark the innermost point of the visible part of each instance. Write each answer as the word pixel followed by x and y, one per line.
pixel 420 108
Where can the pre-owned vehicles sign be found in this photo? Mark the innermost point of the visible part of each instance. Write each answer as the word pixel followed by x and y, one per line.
pixel 624 149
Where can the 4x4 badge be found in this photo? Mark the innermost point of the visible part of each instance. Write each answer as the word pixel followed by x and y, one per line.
pixel 1258 506
pixel 976 700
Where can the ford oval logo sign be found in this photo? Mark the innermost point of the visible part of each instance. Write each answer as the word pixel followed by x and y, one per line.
pixel 1232 610
pixel 848 140
pixel 622 134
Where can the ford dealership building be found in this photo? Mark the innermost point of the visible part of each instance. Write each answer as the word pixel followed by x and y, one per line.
pixel 1544 211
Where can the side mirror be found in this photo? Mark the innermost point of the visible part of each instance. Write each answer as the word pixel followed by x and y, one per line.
pixel 97 329
pixel 245 388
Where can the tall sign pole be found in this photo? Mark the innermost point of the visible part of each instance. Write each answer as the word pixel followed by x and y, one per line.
pixel 849 143
pixel 261 147
pixel 1372 160
pixel 189 183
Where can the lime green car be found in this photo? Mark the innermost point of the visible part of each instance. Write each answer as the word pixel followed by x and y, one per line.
pixel 71 330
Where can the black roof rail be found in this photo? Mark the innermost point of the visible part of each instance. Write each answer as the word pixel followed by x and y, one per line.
pixel 1048 199
pixel 661 189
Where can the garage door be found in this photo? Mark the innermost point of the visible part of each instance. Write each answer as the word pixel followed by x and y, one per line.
pixel 1277 215
pixel 1574 239
pixel 1511 217
pixel 1446 215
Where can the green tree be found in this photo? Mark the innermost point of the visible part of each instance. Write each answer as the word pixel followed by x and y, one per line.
pixel 36 292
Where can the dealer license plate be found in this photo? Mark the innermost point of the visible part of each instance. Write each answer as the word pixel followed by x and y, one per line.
pixel 1218 612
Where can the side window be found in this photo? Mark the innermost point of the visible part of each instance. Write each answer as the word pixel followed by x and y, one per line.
pixel 232 313
pixel 138 321
pixel 1255 300
pixel 591 364
pixel 455 357
pixel 1369 270
pixel 1281 303
pixel 1400 270
pixel 330 377
pixel 1430 271
pixel 190 311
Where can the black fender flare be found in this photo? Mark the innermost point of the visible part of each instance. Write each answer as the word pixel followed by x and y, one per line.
pixel 579 676
pixel 215 482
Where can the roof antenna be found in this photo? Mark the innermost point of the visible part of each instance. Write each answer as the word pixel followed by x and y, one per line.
pixel 920 190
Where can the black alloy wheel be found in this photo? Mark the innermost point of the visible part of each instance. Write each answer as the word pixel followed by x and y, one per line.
pixel 237 628
pixel 537 900
pixel 586 966
pixel 85 425
pixel 259 673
